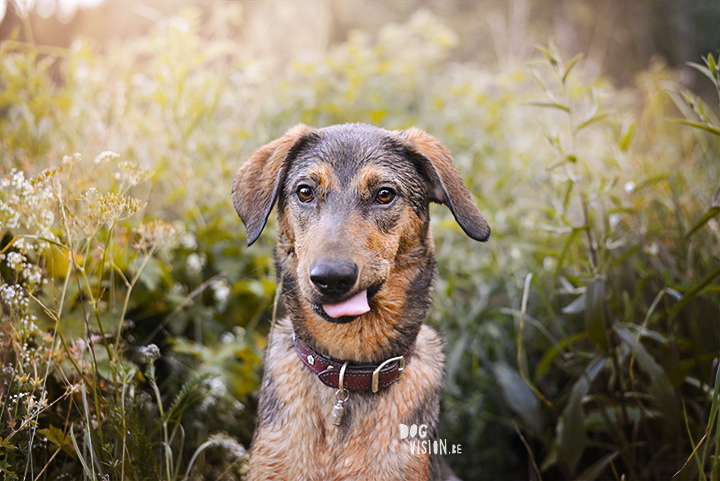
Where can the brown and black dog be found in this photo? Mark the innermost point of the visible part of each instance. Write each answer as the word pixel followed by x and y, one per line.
pixel 353 360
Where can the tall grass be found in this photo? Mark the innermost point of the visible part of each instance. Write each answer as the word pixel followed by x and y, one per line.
pixel 582 339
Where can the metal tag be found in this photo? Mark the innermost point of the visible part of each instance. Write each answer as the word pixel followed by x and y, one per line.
pixel 337 413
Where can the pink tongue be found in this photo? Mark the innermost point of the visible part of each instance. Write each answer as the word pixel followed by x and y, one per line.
pixel 354 306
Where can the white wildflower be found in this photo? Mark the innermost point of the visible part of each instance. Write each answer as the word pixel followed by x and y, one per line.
pixel 15 260
pixel 107 156
pixel 221 289
pixel 228 443
pixel 150 352
pixel 188 241
pixel 194 263
pixel 178 289
pixel 216 390
pixel 154 234
pixel 72 159
pixel 549 263
pixel 14 296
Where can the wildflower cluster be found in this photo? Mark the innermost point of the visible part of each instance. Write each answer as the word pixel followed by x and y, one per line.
pixel 153 235
pixel 113 207
pixel 131 173
pixel 28 207
pixel 106 157
pixel 598 290
pixel 77 225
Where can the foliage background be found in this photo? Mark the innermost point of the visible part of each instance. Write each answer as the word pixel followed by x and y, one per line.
pixel 582 340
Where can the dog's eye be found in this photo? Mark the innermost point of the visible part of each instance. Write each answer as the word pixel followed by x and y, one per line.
pixel 305 193
pixel 385 195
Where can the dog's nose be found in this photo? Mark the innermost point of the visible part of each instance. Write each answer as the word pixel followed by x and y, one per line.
pixel 334 278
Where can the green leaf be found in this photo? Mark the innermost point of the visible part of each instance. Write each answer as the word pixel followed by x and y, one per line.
pixel 577 306
pixel 571 437
pixel 678 374
pixel 709 128
pixel 704 70
pixel 88 472
pixel 5 444
pixel 626 135
pixel 551 459
pixel 565 248
pixel 661 389
pixel 55 436
pixel 594 321
pixel 710 71
pixel 570 66
pixel 608 418
pixel 591 120
pixel 594 471
pixel 711 63
pixel 714 423
pixel 551 354
pixel 554 105
pixel 693 291
pixel 549 55
pixel 563 160
pixel 711 212
pixel 519 395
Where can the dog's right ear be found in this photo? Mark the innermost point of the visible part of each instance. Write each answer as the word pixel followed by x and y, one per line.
pixel 258 182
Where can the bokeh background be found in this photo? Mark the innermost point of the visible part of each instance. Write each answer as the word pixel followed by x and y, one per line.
pixel 582 340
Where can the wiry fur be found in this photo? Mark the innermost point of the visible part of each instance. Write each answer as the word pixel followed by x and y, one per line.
pixel 391 245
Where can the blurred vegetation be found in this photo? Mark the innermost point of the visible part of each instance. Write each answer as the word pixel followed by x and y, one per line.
pixel 582 340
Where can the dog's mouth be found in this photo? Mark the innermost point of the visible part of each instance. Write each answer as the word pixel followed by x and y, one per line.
pixel 348 309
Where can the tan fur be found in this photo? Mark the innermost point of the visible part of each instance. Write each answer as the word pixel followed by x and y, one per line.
pixel 303 441
pixel 361 242
pixel 392 250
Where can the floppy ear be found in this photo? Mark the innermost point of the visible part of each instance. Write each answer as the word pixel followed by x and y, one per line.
pixel 447 187
pixel 258 182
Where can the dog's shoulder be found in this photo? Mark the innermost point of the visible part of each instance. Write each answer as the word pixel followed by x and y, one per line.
pixel 429 352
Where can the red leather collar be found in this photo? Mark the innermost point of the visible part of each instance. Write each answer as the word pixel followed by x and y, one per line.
pixel 357 376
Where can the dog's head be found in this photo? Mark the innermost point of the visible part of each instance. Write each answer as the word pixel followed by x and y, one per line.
pixel 354 248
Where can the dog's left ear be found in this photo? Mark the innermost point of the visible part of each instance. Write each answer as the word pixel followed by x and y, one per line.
pixel 447 186
pixel 258 182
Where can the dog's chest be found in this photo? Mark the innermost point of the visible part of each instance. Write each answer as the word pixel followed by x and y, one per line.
pixel 296 434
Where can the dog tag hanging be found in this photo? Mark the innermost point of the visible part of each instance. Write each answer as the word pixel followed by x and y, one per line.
pixel 341 395
pixel 338 411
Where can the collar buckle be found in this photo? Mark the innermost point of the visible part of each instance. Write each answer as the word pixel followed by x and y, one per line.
pixel 376 372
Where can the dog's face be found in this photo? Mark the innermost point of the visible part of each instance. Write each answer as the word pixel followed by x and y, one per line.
pixel 354 248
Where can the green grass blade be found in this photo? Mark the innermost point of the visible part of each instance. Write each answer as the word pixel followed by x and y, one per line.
pixel 594 471
pixel 88 472
pixel 694 453
pixel 693 291
pixel 713 418
pixel 709 214
pixel 708 128
pixel 552 105
pixel 710 73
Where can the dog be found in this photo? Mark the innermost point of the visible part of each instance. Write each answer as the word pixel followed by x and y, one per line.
pixel 353 360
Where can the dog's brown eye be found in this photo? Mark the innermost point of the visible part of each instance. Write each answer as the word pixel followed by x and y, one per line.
pixel 305 193
pixel 385 195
